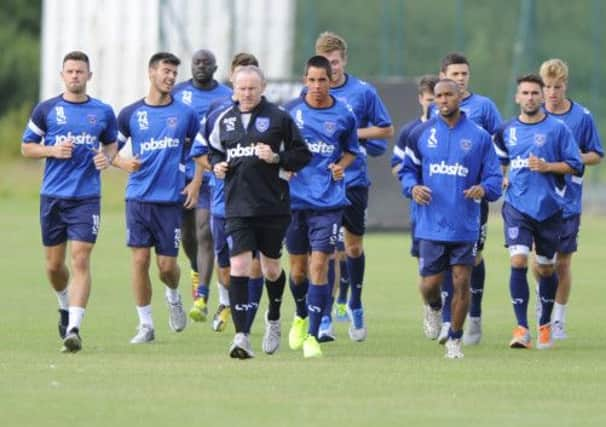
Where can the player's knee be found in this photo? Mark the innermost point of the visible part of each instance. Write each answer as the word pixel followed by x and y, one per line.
pixel 255 269
pixel 80 261
pixel 55 266
pixel 272 270
pixel 355 249
pixel 167 267
pixel 545 270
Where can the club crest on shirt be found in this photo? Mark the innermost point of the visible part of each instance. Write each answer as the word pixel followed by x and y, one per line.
pixel 171 122
pixel 142 120
pixel 230 124
pixel 432 141
pixel 330 128
pixel 262 124
pixel 91 118
pixel 513 232
pixel 60 116
pixel 186 97
pixel 465 144
pixel 539 139
pixel 513 139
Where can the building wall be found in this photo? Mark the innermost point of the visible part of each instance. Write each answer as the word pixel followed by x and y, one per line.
pixel 119 36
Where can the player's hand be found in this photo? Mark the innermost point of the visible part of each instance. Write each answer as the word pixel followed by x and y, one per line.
pixel 265 153
pixel 537 164
pixel 191 192
pixel 100 159
pixel 130 165
pixel 505 183
pixel 421 194
pixel 474 192
pixel 338 173
pixel 63 150
pixel 220 169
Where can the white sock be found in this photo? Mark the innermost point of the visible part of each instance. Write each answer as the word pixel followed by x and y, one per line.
pixel 145 315
pixel 63 299
pixel 223 294
pixel 172 295
pixel 75 317
pixel 559 313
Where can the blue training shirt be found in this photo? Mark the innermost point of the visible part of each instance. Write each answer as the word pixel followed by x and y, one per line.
pixel 449 161
pixel 538 195
pixel 88 124
pixel 199 100
pixel 200 148
pixel 582 126
pixel 369 110
pixel 158 135
pixel 328 133
pixel 399 149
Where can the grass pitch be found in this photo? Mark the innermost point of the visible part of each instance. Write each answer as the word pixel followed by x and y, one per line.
pixel 395 378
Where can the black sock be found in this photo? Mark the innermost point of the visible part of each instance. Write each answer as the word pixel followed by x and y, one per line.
pixel 238 299
pixel 275 290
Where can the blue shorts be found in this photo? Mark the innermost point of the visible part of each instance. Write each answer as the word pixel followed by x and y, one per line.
pixel 521 231
pixel 66 219
pixel 313 230
pixel 217 229
pixel 569 235
pixel 414 242
pixel 436 257
pixel 355 214
pixel 154 224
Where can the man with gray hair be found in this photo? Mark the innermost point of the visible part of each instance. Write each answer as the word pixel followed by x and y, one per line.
pixel 253 145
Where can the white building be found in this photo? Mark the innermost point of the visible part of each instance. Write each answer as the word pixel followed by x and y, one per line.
pixel 120 35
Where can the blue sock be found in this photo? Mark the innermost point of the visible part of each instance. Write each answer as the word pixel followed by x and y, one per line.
pixel 454 335
pixel 317 297
pixel 255 290
pixel 356 277
pixel 547 291
pixel 478 276
pixel 518 288
pixel 343 283
pixel 238 298
pixel 331 286
pixel 299 293
pixel 447 296
pixel 202 291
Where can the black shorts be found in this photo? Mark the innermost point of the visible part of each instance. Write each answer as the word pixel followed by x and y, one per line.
pixel 262 233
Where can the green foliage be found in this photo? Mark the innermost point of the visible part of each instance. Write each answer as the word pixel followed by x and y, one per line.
pixel 20 59
pixel 12 124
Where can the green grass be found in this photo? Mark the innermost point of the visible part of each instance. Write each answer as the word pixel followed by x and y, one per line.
pixel 395 378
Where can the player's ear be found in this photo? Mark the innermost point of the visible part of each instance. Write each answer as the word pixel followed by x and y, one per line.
pixel 90 76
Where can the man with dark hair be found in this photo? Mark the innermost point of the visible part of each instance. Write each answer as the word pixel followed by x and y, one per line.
pixel 160 130
pixel 251 145
pixel 484 113
pixel 198 93
pixel 317 200
pixel 536 151
pixel 450 165
pixel 374 127
pixel 79 135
